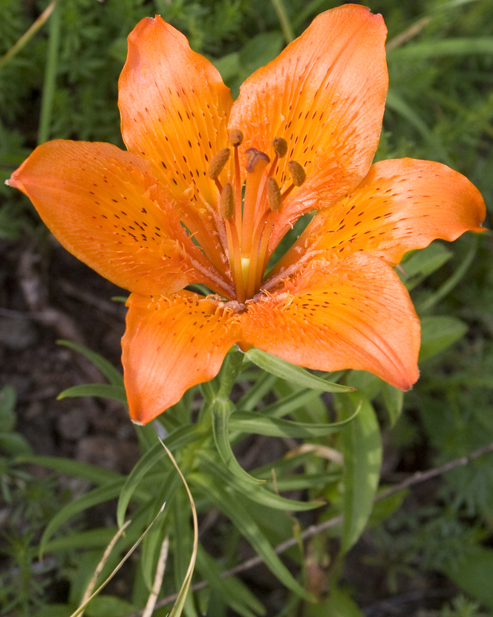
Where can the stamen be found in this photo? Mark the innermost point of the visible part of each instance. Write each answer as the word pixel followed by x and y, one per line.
pixel 218 162
pixel 297 172
pixel 254 157
pixel 226 202
pixel 273 195
pixel 280 146
pixel 235 137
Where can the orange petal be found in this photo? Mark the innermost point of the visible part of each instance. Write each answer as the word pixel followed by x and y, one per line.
pixel 105 207
pixel 171 344
pixel 401 205
pixel 325 94
pixel 174 109
pixel 341 314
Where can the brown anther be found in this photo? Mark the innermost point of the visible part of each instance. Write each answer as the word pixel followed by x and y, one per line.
pixel 235 137
pixel 254 157
pixel 297 172
pixel 226 202
pixel 218 162
pixel 280 146
pixel 273 195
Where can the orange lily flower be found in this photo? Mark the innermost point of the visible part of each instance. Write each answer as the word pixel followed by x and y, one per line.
pixel 209 187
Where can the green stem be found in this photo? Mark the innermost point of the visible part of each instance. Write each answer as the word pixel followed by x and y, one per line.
pixel 283 20
pixel 229 373
pixel 28 35
pixel 50 76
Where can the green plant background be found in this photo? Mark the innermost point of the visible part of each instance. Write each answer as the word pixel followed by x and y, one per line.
pixel 63 84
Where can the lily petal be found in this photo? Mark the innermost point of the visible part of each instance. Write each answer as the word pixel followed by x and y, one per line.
pixel 174 109
pixel 340 314
pixel 171 344
pixel 325 95
pixel 402 204
pixel 105 207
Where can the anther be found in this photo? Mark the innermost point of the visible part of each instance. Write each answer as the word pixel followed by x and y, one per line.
pixel 218 162
pixel 273 195
pixel 297 172
pixel 280 146
pixel 226 202
pixel 235 137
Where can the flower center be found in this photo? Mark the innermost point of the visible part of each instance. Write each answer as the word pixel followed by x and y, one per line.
pixel 249 212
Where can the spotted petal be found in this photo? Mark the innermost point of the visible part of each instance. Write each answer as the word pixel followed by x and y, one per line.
pixel 171 344
pixel 325 95
pixel 174 109
pixel 401 205
pixel 105 207
pixel 340 314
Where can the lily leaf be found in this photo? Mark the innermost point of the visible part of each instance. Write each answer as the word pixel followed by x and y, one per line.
pixel 98 495
pixel 178 439
pixel 96 475
pixel 259 494
pixel 362 461
pixel 104 390
pixel 247 526
pixel 250 422
pixel 438 333
pixel 109 371
pixel 221 411
pixel 292 373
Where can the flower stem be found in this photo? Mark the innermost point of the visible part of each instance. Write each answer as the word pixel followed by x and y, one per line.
pixel 283 20
pixel 50 76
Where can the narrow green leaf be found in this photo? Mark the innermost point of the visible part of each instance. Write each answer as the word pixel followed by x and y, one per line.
pixel 367 384
pixel 109 371
pixel 258 494
pixel 423 263
pixel 259 389
pixel 394 400
pixel 92 498
pixel 250 422
pixel 95 538
pixel 94 474
pixel 246 525
pixel 362 461
pixel 292 373
pixel 438 333
pixel 446 47
pixel 233 592
pixel 178 439
pixel 15 444
pixel 151 544
pixel 184 589
pixel 288 404
pixel 183 541
pixel 221 411
pixel 104 390
pixel 306 481
pixel 109 606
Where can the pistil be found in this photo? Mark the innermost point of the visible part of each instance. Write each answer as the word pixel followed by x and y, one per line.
pixel 248 228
